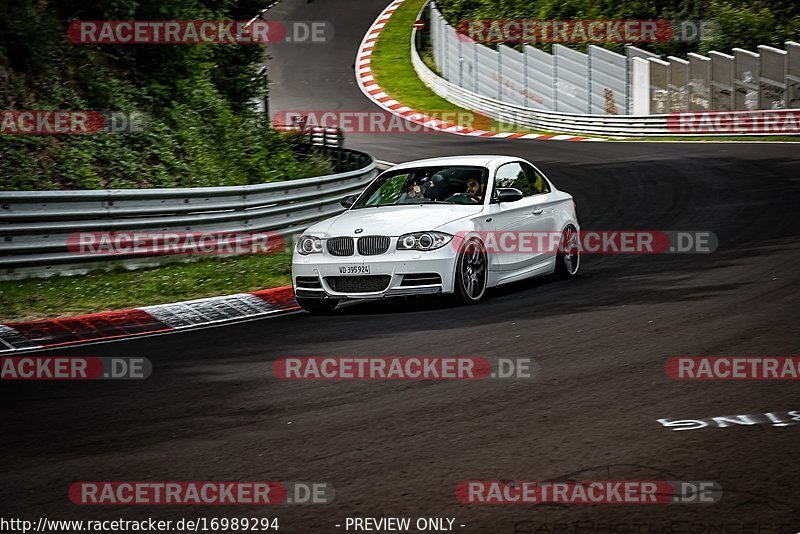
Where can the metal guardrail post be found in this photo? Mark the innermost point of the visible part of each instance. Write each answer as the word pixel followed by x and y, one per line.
pixel 773 79
pixel 555 82
pixel 588 81
pixel 792 74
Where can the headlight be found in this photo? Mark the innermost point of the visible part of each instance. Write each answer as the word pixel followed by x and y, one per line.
pixel 423 241
pixel 309 244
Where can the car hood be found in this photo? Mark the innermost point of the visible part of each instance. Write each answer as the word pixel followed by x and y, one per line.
pixel 392 220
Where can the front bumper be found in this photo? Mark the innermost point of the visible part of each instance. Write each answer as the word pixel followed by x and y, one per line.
pixel 394 264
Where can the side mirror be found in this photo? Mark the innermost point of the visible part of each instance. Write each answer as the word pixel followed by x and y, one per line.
pixel 508 194
pixel 348 201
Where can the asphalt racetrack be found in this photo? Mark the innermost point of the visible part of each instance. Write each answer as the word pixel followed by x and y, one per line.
pixel 212 409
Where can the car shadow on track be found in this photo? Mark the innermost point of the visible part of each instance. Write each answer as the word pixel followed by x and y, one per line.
pixel 425 303
pixel 603 282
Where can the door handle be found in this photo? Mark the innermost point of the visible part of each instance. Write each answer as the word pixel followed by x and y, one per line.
pixel 537 211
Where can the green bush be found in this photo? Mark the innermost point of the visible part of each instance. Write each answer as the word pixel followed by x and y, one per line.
pixel 742 23
pixel 202 130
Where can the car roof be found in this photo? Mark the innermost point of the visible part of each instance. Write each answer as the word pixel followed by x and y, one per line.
pixel 476 160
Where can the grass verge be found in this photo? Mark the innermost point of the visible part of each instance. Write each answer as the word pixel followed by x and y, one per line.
pixel 62 296
pixel 391 64
pixel 394 72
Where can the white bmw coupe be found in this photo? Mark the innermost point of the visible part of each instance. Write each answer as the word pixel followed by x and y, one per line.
pixel 455 225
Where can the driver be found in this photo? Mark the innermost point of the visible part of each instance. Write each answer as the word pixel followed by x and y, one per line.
pixel 473 194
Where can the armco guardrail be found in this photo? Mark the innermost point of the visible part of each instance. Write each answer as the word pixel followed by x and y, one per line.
pixel 35 225
pixel 516 115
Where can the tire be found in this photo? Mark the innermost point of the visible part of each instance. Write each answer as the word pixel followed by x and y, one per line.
pixel 568 258
pixel 471 272
pixel 317 306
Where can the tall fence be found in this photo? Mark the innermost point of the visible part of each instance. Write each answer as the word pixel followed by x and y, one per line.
pixel 36 225
pixel 638 124
pixel 601 82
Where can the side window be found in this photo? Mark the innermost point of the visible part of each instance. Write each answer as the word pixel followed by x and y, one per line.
pixel 513 175
pixel 389 190
pixel 538 182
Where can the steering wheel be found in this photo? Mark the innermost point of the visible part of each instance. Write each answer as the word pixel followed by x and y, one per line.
pixel 462 198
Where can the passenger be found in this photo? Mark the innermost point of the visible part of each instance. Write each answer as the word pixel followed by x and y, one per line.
pixel 412 194
pixel 436 187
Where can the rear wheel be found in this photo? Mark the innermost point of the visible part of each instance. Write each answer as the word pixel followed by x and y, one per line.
pixel 471 272
pixel 317 306
pixel 568 259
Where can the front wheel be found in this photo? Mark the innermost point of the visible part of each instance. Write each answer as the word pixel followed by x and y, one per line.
pixel 471 272
pixel 568 259
pixel 317 306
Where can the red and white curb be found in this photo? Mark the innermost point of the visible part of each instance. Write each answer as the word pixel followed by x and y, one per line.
pixel 370 87
pixel 163 318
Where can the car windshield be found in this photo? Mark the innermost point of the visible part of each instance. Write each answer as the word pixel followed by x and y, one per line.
pixel 452 184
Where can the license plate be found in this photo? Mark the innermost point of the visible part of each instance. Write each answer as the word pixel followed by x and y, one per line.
pixel 354 269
